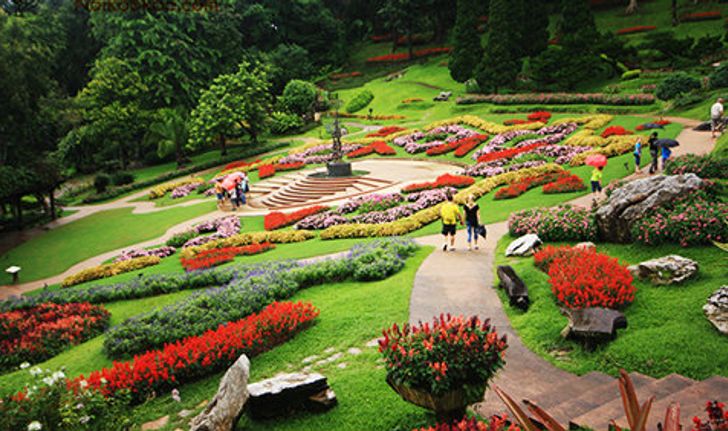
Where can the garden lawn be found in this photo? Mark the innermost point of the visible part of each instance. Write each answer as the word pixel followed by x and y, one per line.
pixel 56 250
pixel 666 333
pixel 352 314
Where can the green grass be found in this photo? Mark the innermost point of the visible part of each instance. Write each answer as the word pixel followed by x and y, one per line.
pixel 666 333
pixel 58 249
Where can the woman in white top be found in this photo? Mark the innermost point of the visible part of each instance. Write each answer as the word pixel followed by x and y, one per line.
pixel 716 115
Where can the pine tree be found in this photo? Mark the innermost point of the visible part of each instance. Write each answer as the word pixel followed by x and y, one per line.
pixel 579 32
pixel 467 50
pixel 535 38
pixel 502 58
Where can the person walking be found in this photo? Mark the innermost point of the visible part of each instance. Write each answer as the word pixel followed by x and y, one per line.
pixel 637 155
pixel 239 195
pixel 654 151
pixel 716 117
pixel 596 181
pixel 450 214
pixel 666 152
pixel 472 221
pixel 245 187
pixel 220 193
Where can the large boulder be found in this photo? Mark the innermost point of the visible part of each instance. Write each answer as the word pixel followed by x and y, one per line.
pixel 223 412
pixel 716 310
pixel 637 199
pixel 524 246
pixel 671 269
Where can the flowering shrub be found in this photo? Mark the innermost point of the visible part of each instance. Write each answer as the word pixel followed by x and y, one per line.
pixel 540 116
pixel 615 130
pixel 704 166
pixel 445 180
pixel 198 356
pixel 248 291
pixel 162 189
pixel 133 253
pixel 544 257
pixel 590 279
pixel 238 164
pixel 452 352
pixel 218 256
pixel 508 153
pixel 379 147
pixel 275 237
pixel 38 333
pixel 717 418
pixel 184 190
pixel 692 220
pixel 389 58
pixel 494 423
pixel 700 16
pixel 562 223
pixel 558 99
pixel 635 29
pixel 109 270
pixel 433 138
pixel 266 171
pixel 276 219
pixel 565 184
pixel 385 131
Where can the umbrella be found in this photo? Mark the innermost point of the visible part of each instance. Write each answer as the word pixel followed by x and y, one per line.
pixel 228 183
pixel 236 175
pixel 596 160
pixel 667 143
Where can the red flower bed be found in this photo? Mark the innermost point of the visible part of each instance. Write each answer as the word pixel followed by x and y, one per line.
pixel 41 332
pixel 717 418
pixel 469 144
pixel 565 184
pixel 615 131
pixel 446 180
pixel 701 16
pixel 518 188
pixel 387 58
pixel 508 153
pixel 266 171
pixel 495 423
pixel 217 256
pixel 663 122
pixel 276 219
pixel 636 29
pixel 385 131
pixel 589 279
pixel 199 356
pixel 540 116
pixel 543 258
pixel 379 147
pixel 515 121
pixel 238 164
pixel 345 75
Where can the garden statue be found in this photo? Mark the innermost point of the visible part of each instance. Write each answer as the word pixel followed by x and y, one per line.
pixel 336 167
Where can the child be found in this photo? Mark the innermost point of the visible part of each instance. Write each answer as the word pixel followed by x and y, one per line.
pixel 665 155
pixel 637 155
pixel 596 181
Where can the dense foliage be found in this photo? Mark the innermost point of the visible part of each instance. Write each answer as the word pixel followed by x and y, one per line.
pixel 675 85
pixel 467 50
pixel 563 223
pixel 360 101
pixel 704 166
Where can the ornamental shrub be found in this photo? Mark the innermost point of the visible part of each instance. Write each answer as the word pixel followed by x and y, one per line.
pixel 719 77
pixel 282 122
pixel 704 166
pixel 631 74
pixel 298 97
pixel 122 178
pixel 277 220
pixel 360 101
pixel 675 85
pixel 589 279
pixel 562 223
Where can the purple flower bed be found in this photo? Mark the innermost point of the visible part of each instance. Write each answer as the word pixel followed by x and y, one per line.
pixel 425 199
pixel 551 135
pixel 375 199
pixel 223 228
pixel 162 251
pixel 562 153
pixel 498 167
pixel 185 190
pixel 410 144
pixel 321 221
pixel 318 154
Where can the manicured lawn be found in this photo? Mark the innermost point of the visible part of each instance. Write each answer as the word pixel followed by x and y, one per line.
pixel 666 333
pixel 55 251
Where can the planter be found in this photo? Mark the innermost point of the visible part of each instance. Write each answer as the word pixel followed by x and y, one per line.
pixel 339 169
pixel 447 407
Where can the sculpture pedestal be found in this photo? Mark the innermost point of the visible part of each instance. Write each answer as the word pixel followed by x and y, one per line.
pixel 339 169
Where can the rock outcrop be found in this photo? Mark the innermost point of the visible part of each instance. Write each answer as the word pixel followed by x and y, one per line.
pixel 524 246
pixel 716 310
pixel 666 270
pixel 224 410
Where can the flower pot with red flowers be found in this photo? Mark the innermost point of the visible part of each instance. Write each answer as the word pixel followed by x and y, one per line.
pixel 443 366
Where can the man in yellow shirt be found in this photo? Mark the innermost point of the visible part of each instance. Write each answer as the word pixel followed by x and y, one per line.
pixel 450 214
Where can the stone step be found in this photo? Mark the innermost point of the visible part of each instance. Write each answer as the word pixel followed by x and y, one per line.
pixel 571 389
pixel 692 401
pixel 599 417
pixel 593 398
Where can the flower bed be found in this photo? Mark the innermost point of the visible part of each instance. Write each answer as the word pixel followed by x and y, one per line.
pixel 223 227
pixel 390 58
pixel 267 171
pixel 185 190
pixel 562 223
pixel 218 256
pixel 161 252
pixel 461 146
pixel 544 257
pixel 494 423
pixel 412 146
pixel 275 237
pixel 615 145
pixel 385 131
pixel 238 164
pixel 565 184
pixel 590 279
pixel 38 333
pixel 109 270
pixel 704 166
pixel 445 180
pixel 520 187
pixel 508 153
pixel 558 99
pixel 409 100
pixel 162 189
pixel 277 219
pixel 315 154
pixel 541 116
pixel 615 130
pixel 701 16
pixel 379 147
pixel 635 29
pixel 249 292
pixel 450 353
pixel 198 356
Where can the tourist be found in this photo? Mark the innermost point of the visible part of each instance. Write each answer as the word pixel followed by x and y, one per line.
pixel 637 155
pixel 596 181
pixel 239 194
pixel 245 187
pixel 220 193
pixel 450 214
pixel 654 151
pixel 716 117
pixel 472 221
pixel 666 152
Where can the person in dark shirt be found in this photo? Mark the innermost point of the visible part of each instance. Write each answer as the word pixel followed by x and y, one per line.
pixel 654 151
pixel 472 221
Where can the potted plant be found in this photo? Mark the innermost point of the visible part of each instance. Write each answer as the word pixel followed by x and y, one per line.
pixel 443 366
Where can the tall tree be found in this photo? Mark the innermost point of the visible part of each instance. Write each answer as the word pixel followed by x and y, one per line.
pixel 467 50
pixel 501 61
pixel 404 17
pixel 233 102
pixel 535 22
pixel 578 29
pixel 169 134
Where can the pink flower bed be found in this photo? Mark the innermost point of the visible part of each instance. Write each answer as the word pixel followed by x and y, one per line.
pixel 133 253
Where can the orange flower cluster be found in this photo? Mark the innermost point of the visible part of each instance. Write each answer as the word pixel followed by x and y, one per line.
pixel 379 147
pixel 277 219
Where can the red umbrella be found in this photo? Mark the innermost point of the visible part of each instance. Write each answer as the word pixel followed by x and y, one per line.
pixel 229 183
pixel 596 160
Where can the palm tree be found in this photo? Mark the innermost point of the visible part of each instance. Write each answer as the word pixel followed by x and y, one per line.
pixel 170 134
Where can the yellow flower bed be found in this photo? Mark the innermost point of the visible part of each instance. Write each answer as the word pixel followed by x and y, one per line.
pixel 589 121
pixel 109 269
pixel 241 239
pixel 162 189
pixel 585 138
pixel 484 125
pixel 429 215
pixel 615 145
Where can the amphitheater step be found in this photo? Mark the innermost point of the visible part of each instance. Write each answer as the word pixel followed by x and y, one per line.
pixel 571 389
pixel 600 417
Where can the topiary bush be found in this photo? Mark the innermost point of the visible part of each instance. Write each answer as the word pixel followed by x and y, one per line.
pixel 360 101
pixel 298 97
pixel 676 85
pixel 631 74
pixel 282 122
